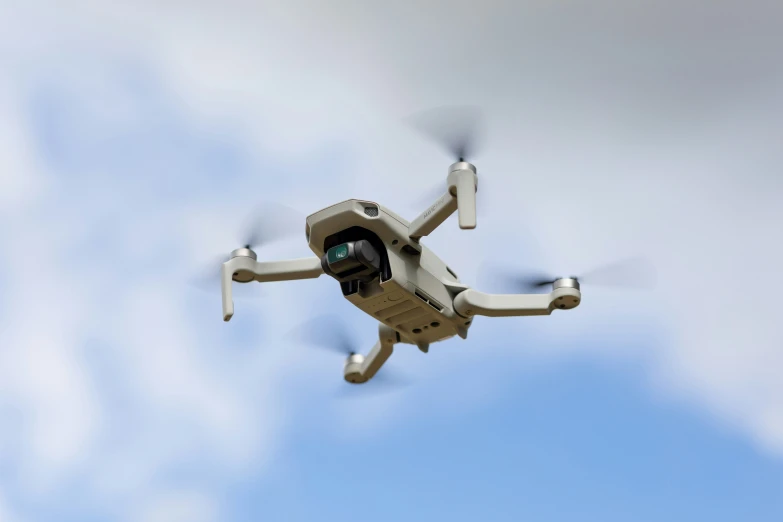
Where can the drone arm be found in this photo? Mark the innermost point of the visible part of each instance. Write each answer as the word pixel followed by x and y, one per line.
pixel 461 196
pixel 249 269
pixel 472 302
pixel 432 218
pixel 360 372
pixel 290 270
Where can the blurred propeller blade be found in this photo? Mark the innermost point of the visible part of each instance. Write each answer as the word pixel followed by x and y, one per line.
pixel 329 332
pixel 455 128
pixel 524 283
pixel 632 273
pixel 272 221
pixel 531 282
pixel 635 272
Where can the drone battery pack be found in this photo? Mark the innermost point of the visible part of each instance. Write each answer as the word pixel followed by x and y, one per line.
pixel 352 261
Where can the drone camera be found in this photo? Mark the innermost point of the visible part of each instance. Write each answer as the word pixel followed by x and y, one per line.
pixel 352 261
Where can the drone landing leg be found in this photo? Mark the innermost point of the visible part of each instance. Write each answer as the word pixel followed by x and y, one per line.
pixel 360 369
pixel 472 302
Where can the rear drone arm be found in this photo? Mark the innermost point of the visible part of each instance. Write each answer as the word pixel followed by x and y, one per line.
pixel 460 196
pixel 565 296
pixel 244 268
pixel 360 369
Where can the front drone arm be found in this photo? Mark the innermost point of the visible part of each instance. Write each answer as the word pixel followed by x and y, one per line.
pixel 432 218
pixel 360 369
pixel 245 269
pixel 469 303
pixel 460 196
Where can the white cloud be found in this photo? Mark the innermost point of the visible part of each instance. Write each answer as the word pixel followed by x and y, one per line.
pixel 6 514
pixel 605 139
pixel 19 177
pixel 180 506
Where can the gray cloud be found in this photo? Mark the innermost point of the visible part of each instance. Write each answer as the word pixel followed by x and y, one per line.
pixel 645 128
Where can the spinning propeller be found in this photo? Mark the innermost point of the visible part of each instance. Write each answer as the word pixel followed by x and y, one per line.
pixel 455 129
pixel 271 222
pixel 634 273
pixel 331 333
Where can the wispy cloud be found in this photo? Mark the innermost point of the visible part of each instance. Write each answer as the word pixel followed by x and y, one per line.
pixel 132 142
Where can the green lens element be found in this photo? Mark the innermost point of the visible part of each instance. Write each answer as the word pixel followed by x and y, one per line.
pixel 337 253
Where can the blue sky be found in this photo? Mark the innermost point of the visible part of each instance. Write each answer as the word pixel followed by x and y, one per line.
pixel 134 144
pixel 574 441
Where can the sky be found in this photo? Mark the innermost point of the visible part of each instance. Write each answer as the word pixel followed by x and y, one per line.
pixel 136 139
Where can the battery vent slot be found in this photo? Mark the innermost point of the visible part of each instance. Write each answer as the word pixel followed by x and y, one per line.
pixel 436 305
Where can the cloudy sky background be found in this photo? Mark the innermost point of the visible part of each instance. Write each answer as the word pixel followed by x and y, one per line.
pixel 135 139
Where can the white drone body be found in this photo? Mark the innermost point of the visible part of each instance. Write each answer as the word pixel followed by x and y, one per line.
pixel 385 271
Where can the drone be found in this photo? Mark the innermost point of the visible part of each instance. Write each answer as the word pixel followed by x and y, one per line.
pixel 384 269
